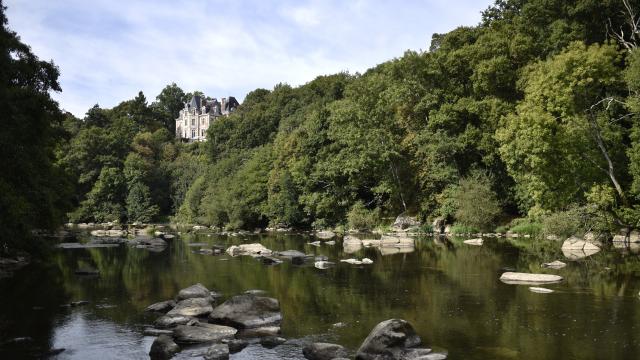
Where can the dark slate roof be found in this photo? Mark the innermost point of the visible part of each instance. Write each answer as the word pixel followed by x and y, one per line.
pixel 195 102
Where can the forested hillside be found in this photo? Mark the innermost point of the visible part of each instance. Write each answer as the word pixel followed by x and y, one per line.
pixel 531 115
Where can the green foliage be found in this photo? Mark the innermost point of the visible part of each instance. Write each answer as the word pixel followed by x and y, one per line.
pixel 526 226
pixel 139 206
pixel 476 203
pixel 464 229
pixel 361 218
pixel 34 191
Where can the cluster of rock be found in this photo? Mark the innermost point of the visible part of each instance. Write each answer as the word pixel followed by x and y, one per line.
pixel 192 319
pixel 387 244
pixel 155 244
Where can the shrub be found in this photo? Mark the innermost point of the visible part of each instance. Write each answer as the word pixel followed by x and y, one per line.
pixel 477 205
pixel 563 223
pixel 526 226
pixel 361 218
pixel 463 229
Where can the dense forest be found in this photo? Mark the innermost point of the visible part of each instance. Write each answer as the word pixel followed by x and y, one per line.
pixel 527 121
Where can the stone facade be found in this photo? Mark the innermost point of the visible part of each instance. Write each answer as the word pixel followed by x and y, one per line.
pixel 199 113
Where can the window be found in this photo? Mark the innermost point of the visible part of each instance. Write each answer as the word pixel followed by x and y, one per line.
pixel 193 121
pixel 193 134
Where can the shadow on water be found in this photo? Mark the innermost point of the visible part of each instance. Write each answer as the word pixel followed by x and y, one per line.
pixel 448 290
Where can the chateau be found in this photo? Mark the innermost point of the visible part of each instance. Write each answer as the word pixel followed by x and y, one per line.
pixel 199 113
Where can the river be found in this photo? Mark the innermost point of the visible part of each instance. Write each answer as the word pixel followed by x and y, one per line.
pixel 448 290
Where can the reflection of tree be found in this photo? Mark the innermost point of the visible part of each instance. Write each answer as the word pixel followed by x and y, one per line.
pixel 450 291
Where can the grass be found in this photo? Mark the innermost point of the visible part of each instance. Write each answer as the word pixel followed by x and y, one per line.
pixel 463 229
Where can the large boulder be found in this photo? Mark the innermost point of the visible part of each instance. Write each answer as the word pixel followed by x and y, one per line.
pixel 324 351
pixel 202 333
pixel 404 222
pixel 247 311
pixel 575 248
pixel 248 249
pixel 325 234
pixel 194 291
pixel 528 278
pixel 163 348
pixel 351 244
pixel 388 340
pixel 396 241
pixel 192 307
pixel 161 307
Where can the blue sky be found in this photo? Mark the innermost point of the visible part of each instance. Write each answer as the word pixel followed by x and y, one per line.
pixel 108 50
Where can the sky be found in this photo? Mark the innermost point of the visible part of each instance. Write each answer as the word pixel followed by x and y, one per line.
pixel 108 50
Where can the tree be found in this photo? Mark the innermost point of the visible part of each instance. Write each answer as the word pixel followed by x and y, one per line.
pixel 139 206
pixel 556 129
pixel 34 189
pixel 476 203
pixel 168 105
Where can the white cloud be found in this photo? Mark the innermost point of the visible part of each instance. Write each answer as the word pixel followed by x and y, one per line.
pixel 109 50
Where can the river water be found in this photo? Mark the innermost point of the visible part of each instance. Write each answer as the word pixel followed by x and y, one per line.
pixel 448 290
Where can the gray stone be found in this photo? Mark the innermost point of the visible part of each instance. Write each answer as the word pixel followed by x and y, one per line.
pixel 217 352
pixel 272 341
pixel 247 311
pixel 324 351
pixel 554 265
pixel 528 278
pixel 169 321
pixel 162 306
pixel 387 339
pixel 540 290
pixel 202 333
pixel 403 222
pixel 194 291
pixel 322 265
pixel 192 307
pixel 325 234
pixel 291 254
pixel 259 332
pixel 163 348
pixel 156 332
pixel 236 345
pixel 476 242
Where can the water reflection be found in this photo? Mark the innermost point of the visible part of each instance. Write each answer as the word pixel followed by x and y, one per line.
pixel 449 290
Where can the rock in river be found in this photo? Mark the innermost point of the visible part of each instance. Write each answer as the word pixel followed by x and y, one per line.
pixel 575 248
pixel 554 265
pixel 325 234
pixel 324 351
pixel 540 290
pixel 248 249
pixel 323 265
pixel 194 291
pixel 217 352
pixel 192 307
pixel 163 348
pixel 236 345
pixel 272 341
pixel 162 306
pixel 528 278
pixel 476 242
pixel 391 339
pixel 202 333
pixel 169 321
pixel 247 311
